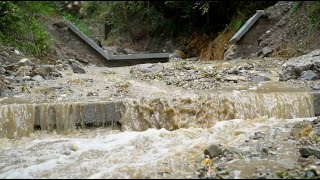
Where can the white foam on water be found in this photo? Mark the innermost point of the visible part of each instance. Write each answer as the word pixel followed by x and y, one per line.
pixel 101 154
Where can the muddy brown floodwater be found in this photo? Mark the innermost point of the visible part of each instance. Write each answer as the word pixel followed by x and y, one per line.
pixel 164 129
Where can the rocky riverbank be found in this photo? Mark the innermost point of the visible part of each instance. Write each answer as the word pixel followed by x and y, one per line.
pixel 294 154
pixel 26 75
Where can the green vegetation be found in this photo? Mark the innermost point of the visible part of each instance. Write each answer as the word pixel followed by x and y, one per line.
pixel 158 76
pixel 294 8
pixel 245 9
pixel 284 175
pixel 20 25
pixel 168 19
pixel 124 16
pixel 239 23
pixel 314 14
pixel 22 22
pixel 78 23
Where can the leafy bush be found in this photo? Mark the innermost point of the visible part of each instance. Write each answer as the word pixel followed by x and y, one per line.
pixel 20 25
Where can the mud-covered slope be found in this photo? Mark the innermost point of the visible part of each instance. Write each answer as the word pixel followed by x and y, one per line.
pixel 286 30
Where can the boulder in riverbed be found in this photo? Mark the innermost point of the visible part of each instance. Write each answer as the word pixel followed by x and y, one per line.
pixel 304 67
pixel 25 62
pixel 308 75
pixel 213 151
pixel 307 151
pixel 77 69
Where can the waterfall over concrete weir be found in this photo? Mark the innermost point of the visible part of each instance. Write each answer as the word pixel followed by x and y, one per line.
pixel 17 120
pixel 205 111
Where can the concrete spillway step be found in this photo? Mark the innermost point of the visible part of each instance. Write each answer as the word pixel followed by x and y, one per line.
pixel 17 120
